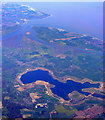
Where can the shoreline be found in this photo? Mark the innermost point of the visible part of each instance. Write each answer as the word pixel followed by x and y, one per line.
pixel 82 81
pixel 46 84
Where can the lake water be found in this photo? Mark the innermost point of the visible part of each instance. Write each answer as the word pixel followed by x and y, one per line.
pixel 61 89
pixel 99 95
pixel 80 17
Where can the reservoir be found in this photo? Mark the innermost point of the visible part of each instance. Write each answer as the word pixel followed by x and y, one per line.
pixel 61 89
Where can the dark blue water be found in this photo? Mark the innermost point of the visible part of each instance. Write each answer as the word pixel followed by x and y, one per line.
pixel 99 95
pixel 60 89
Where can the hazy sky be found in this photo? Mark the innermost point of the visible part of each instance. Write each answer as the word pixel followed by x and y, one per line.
pixel 51 0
